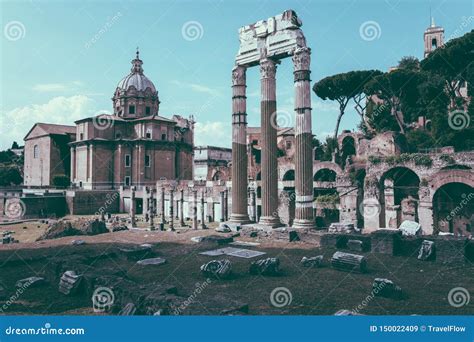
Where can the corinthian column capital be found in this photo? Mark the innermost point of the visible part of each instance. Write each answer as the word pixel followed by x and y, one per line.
pixel 239 75
pixel 301 59
pixel 267 68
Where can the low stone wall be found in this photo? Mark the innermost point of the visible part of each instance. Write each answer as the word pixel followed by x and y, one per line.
pixel 44 206
pixel 92 202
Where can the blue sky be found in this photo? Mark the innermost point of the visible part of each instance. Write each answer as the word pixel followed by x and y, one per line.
pixel 61 60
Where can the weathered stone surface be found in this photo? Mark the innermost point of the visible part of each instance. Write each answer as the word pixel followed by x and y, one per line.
pixel 78 242
pixel 136 252
pixel 316 261
pixel 70 282
pixel 386 288
pixel 410 228
pixel 450 249
pixel 345 228
pixel 219 239
pixel 128 310
pixel 30 282
pixel 152 261
pixel 268 266
pixel 355 245
pixel 117 226
pixel 386 241
pixel 427 251
pixel 223 228
pixel 220 269
pixel 70 228
pixel 349 262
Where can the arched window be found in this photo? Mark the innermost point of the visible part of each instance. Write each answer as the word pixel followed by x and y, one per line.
pixel 35 151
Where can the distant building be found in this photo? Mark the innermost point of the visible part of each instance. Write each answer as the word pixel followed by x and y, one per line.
pixel 134 146
pixel 47 154
pixel 212 163
pixel 434 38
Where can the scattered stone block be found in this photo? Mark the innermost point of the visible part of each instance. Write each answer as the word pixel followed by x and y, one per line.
pixel 313 262
pixel 220 269
pixel 128 310
pixel 78 242
pixel 339 227
pixel 410 228
pixel 30 282
pixel 152 261
pixel 355 245
pixel 427 251
pixel 386 241
pixel 70 282
pixel 267 267
pixel 136 253
pixel 223 228
pixel 382 287
pixel 349 262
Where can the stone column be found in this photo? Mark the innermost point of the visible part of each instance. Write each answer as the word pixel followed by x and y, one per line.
pixel 73 164
pixel 210 210
pixel 239 212
pixel 181 209
pixel 163 220
pixel 390 208
pixel 226 204
pixel 203 221
pixel 253 204
pixel 171 211
pixel 151 208
pixel 425 210
pixel 132 207
pixel 370 207
pixel 222 207
pixel 194 210
pixel 304 213
pixel 269 144
pixel 176 215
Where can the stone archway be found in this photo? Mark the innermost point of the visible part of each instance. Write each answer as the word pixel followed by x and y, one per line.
pixel 399 188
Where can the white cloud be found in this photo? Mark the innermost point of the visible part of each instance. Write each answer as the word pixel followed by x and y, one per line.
pixel 215 133
pixel 200 88
pixel 15 123
pixel 57 87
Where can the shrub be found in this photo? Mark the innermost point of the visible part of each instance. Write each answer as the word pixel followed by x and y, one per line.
pixel 61 181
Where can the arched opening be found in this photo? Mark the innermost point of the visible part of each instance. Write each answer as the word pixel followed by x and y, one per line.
pixel 399 197
pixel 289 175
pixel 456 167
pixel 348 149
pixel 434 43
pixel 325 175
pixel 453 209
pixel 259 176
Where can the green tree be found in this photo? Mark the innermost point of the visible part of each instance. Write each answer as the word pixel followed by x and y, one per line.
pixel 342 88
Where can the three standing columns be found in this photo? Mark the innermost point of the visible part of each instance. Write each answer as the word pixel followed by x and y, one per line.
pixel 304 216
pixel 269 144
pixel 239 213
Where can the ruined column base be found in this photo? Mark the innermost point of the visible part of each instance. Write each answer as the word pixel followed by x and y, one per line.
pixel 270 221
pixel 239 219
pixel 299 224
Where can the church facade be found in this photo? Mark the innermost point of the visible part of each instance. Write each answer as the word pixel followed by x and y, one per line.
pixel 134 146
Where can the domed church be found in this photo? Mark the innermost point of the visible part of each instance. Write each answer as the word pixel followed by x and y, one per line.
pixel 134 146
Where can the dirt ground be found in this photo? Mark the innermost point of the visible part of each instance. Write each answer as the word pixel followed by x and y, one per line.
pixel 314 291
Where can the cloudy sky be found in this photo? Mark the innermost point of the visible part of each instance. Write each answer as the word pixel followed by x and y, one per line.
pixel 61 60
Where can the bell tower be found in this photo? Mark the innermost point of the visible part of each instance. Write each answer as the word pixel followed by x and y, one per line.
pixel 434 38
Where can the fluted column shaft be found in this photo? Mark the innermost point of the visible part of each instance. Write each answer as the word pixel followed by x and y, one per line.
pixel 239 212
pixel 162 198
pixel 304 215
pixel 222 199
pixel 194 210
pixel 203 221
pixel 181 209
pixel 269 144
pixel 171 210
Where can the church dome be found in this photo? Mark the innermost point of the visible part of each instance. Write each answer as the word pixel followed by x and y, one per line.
pixel 136 78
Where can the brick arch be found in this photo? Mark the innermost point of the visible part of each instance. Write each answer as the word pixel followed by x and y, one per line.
pixel 450 176
pixel 327 165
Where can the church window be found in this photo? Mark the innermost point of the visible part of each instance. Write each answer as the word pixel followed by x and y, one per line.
pixel 163 136
pixel 127 160
pixel 127 180
pixel 148 110
pixel 81 136
pixel 147 160
pixel 434 43
pixel 131 109
pixel 35 151
pixel 148 133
